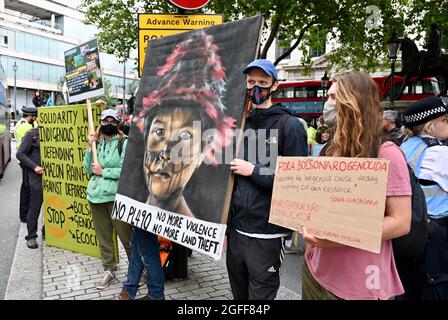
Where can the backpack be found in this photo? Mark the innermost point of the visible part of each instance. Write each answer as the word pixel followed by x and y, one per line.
pixel 411 246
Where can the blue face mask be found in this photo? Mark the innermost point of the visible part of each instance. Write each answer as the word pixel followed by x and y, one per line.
pixel 258 95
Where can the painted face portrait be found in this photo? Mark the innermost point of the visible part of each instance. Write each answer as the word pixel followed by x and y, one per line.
pixel 173 152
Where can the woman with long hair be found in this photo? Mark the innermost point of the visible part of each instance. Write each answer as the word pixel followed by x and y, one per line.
pixel 336 271
pixel 103 184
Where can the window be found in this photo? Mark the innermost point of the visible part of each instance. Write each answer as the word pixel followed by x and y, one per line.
pixel 4 41
pixel 280 51
pixel 318 49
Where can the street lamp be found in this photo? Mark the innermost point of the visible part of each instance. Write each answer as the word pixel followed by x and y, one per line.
pixel 15 68
pixel 324 84
pixel 393 46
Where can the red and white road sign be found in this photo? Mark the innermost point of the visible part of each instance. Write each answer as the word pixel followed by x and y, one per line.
pixel 190 4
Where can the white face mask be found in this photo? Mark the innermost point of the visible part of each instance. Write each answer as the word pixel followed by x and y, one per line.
pixel 329 114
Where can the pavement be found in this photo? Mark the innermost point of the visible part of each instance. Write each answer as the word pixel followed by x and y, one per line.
pixel 50 273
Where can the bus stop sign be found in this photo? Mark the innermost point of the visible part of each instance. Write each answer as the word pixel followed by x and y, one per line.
pixel 190 4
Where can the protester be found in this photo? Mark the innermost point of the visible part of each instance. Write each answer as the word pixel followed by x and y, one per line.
pixel 102 189
pixel 336 271
pixel 29 157
pixel 427 120
pixel 254 246
pixel 27 122
pixel 391 130
pixel 322 137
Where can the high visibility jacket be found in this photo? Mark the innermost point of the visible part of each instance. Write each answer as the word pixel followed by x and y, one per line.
pixel 311 132
pixel 436 198
pixel 21 127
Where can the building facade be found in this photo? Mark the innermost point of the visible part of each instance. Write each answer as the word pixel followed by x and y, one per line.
pixel 34 35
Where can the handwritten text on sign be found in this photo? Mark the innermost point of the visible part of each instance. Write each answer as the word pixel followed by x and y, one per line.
pixel 339 199
pixel 199 235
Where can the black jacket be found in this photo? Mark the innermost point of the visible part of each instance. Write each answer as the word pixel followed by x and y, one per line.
pixel 251 198
pixel 29 153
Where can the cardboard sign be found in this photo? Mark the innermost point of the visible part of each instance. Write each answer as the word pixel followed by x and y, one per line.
pixel 68 221
pixel 191 96
pixel 339 199
pixel 83 71
pixel 153 26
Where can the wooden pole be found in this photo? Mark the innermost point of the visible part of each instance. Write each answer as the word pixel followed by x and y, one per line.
pixel 91 129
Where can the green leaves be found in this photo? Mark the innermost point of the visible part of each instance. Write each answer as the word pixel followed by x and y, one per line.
pixel 361 28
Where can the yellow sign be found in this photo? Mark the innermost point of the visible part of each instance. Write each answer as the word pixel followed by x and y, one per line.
pixel 153 26
pixel 68 221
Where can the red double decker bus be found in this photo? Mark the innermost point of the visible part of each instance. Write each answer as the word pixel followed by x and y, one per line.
pixel 305 98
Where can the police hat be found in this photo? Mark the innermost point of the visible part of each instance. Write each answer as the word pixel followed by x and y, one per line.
pixel 29 111
pixel 424 111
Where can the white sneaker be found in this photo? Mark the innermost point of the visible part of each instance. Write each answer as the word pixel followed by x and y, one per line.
pixel 108 276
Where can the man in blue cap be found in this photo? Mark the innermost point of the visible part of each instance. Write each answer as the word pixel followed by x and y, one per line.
pixel 255 247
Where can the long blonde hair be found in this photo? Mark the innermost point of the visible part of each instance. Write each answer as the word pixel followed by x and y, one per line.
pixel 358 117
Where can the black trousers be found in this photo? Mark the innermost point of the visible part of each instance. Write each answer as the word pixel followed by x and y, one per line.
pixel 253 265
pixel 35 182
pixel 24 196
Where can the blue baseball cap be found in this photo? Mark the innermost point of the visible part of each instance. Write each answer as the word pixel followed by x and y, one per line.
pixel 263 64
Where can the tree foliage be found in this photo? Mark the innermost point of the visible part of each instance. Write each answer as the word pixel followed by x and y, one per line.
pixel 360 28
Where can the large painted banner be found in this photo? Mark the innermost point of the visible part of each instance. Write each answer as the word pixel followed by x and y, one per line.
pixel 68 221
pixel 83 71
pixel 175 181
pixel 339 199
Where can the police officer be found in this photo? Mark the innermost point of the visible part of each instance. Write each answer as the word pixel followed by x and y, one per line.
pixel 29 156
pixel 27 122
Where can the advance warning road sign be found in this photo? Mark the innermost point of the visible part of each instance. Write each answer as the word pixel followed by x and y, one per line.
pixel 153 26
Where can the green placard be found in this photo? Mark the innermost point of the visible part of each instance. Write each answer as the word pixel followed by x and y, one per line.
pixel 68 220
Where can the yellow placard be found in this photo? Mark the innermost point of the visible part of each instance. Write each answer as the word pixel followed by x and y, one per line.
pixel 153 26
pixel 68 220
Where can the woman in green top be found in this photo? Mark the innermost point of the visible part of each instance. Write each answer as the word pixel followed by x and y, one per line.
pixel 102 189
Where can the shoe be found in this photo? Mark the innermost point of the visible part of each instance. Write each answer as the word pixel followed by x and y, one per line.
pixel 32 243
pixel 108 276
pixel 144 278
pixel 123 295
pixel 22 220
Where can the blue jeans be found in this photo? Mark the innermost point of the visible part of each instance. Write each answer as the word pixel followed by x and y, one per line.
pixel 145 254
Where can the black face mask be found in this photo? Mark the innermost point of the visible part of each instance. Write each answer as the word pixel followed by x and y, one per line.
pixel 109 130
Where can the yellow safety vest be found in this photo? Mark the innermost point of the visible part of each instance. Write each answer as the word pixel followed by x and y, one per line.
pixel 20 129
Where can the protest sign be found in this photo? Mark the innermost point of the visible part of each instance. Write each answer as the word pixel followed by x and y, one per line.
pixel 175 181
pixel 63 139
pixel 83 71
pixel 339 199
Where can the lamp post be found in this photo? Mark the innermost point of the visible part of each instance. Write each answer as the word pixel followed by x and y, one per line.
pixel 393 46
pixel 15 68
pixel 324 83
